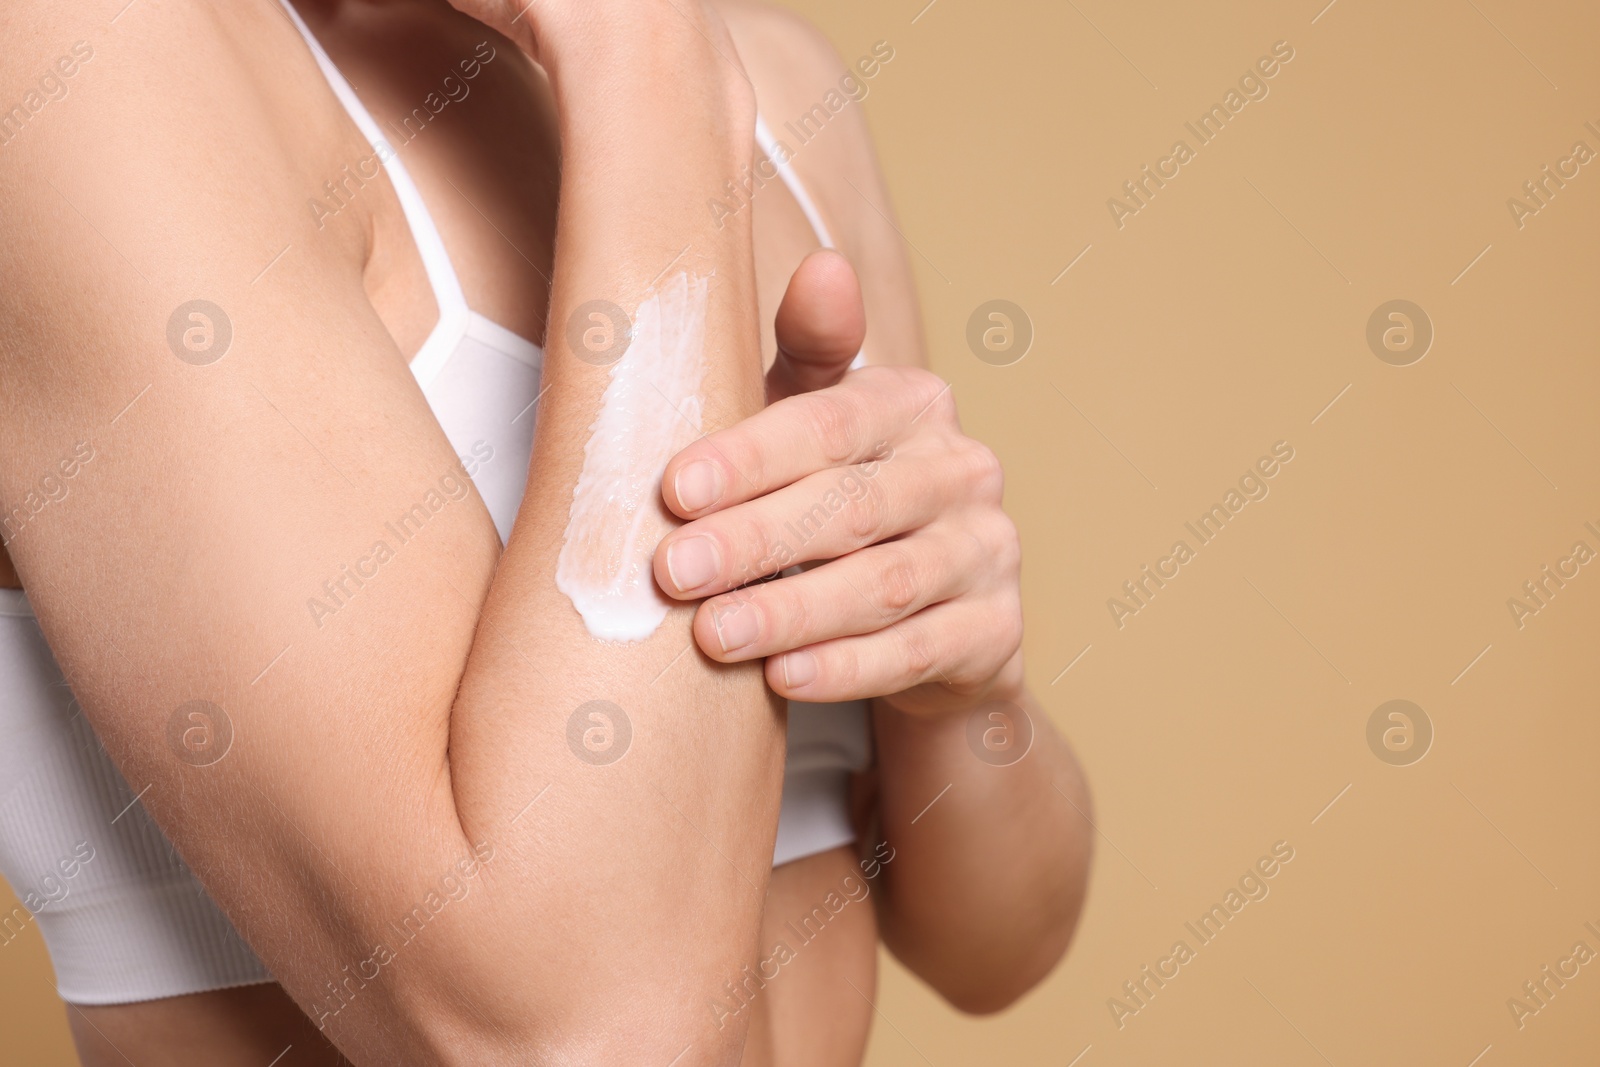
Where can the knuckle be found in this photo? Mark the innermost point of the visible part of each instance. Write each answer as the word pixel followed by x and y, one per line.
pixel 747 461
pixel 921 656
pixel 1004 543
pixel 751 554
pixel 841 666
pixel 972 674
pixel 789 613
pixel 835 422
pixel 933 396
pixel 1011 628
pixel 983 469
pixel 897 583
pixel 966 683
pixel 864 515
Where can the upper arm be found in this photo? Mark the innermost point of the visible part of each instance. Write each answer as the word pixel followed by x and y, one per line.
pixel 183 560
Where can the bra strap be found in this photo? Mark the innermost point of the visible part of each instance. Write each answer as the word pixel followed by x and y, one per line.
pixel 447 293
pixel 779 154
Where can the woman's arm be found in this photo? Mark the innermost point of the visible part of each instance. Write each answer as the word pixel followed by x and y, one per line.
pixel 920 596
pixel 413 819
pixel 992 857
pixel 983 802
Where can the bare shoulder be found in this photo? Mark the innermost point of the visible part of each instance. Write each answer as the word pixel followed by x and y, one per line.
pixel 157 127
pixel 156 166
pixel 813 97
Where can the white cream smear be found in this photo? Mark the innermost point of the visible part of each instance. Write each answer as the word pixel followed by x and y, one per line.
pixel 650 410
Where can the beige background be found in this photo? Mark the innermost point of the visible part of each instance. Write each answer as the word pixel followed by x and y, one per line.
pixel 1222 318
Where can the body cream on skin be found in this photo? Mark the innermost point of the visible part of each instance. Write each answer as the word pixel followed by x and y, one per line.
pixel 650 410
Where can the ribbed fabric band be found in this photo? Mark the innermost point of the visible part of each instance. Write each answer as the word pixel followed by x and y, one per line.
pixel 124 919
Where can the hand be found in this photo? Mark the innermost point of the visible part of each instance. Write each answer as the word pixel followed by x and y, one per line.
pixel 918 600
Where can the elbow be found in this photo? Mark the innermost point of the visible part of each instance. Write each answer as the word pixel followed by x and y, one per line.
pixel 469 1024
pixel 992 989
pixel 1000 964
pixel 481 1041
pixel 984 972
pixel 979 1003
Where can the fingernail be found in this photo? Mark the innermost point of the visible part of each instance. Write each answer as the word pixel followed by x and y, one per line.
pixel 692 562
pixel 799 668
pixel 698 485
pixel 737 627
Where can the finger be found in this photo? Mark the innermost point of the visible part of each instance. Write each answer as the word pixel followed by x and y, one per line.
pixel 857 594
pixel 860 418
pixel 823 516
pixel 936 646
pixel 820 324
pixel 833 512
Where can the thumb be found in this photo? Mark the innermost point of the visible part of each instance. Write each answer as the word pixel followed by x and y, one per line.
pixel 820 325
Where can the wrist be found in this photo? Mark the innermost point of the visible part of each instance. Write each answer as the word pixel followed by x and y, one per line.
pixel 924 725
pixel 931 702
pixel 655 75
pixel 622 42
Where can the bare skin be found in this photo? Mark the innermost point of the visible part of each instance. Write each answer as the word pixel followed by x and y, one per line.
pixel 509 129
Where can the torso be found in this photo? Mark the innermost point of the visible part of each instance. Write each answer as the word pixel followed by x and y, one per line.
pixel 488 168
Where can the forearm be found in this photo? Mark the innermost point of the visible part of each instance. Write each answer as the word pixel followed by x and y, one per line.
pixel 646 875
pixel 988 880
